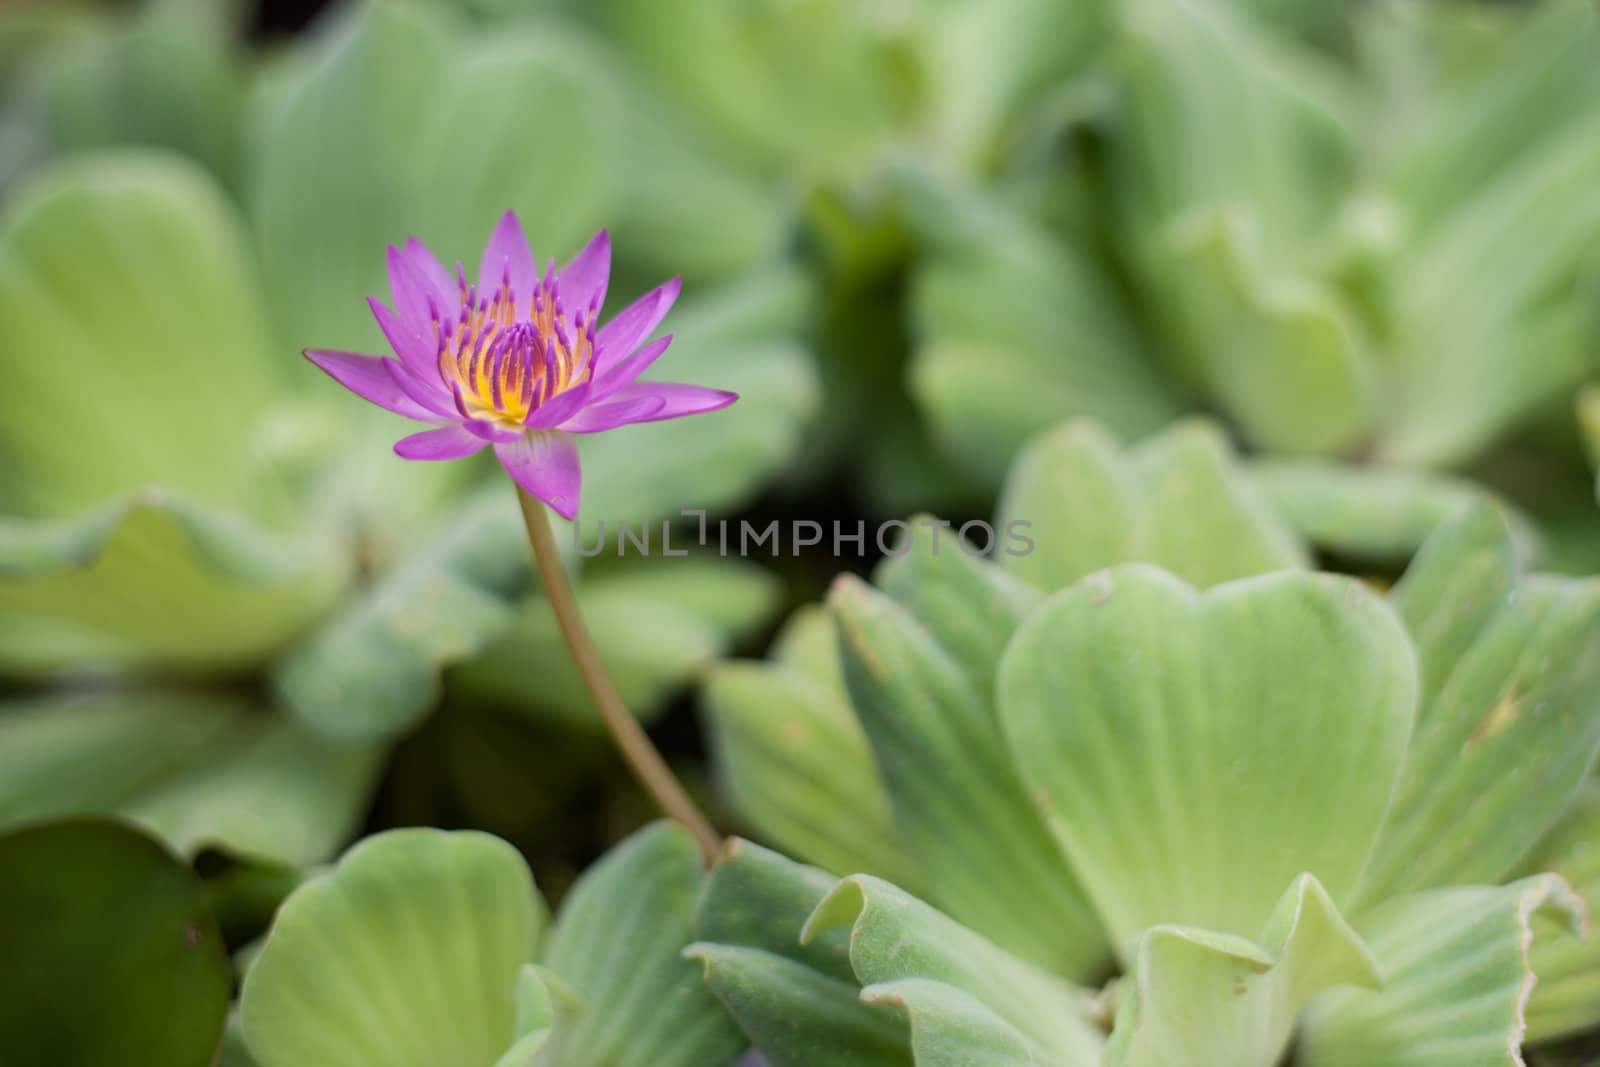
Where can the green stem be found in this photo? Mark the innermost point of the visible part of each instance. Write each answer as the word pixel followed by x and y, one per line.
pixel 637 750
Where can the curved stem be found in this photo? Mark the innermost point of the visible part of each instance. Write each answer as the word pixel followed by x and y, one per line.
pixel 637 750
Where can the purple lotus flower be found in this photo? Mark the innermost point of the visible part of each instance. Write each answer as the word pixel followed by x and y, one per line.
pixel 517 361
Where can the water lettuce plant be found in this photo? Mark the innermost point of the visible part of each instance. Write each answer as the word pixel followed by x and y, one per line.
pixel 1282 808
pixel 1315 243
pixel 1153 783
pixel 423 947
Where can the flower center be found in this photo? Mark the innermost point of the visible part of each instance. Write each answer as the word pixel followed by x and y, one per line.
pixel 499 368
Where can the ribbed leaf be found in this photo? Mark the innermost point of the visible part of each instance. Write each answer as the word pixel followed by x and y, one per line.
pixel 1469 368
pixel 618 941
pixel 767 78
pixel 1178 501
pixel 895 937
pixel 1193 755
pixel 1203 997
pixel 797 1016
pixel 123 278
pixel 794 763
pixel 1367 511
pixel 1222 110
pixel 373 670
pixel 155 581
pixel 166 76
pixel 986 60
pixel 1456 980
pixel 799 1004
pixel 950 1027
pixel 1510 724
pixel 955 799
pixel 1281 352
pixel 1566 999
pixel 1015 333
pixel 407 953
pixel 200 771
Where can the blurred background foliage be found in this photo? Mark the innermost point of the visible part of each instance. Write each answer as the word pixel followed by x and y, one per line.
pixel 1365 238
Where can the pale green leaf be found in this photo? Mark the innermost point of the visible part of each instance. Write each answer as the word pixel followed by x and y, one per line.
pixel 895 937
pixel 1368 511
pixel 618 940
pixel 1566 999
pixel 1456 980
pixel 799 1004
pixel 951 1028
pixel 797 1016
pixel 407 953
pixel 805 87
pixel 794 763
pixel 1015 333
pixel 1178 500
pixel 164 76
pixel 201 771
pixel 1281 352
pixel 1201 997
pixel 154 580
pixel 131 303
pixel 1193 752
pixel 956 802
pixel 372 670
pixel 1511 721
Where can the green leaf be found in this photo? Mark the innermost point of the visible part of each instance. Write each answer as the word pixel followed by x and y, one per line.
pixel 407 953
pixel 200 771
pixel 798 1017
pixel 111 955
pixel 1567 997
pixel 1178 500
pixel 1221 110
pixel 987 61
pixel 1193 752
pixel 125 282
pixel 694 209
pixel 1470 368
pixel 1367 511
pixel 951 1027
pixel 1467 120
pixel 1456 980
pixel 154 581
pixel 894 937
pixel 956 801
pixel 807 88
pixel 1280 351
pixel 341 173
pixel 1235 151
pixel 1016 332
pixel 1511 721
pixel 799 1004
pixel 168 77
pixel 618 939
pixel 969 605
pixel 372 670
pixel 658 626
pixel 1203 997
pixel 793 762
